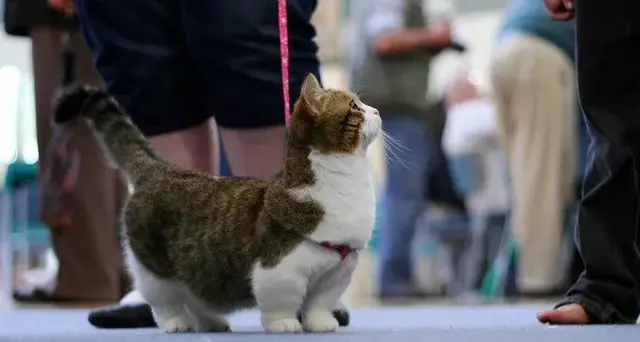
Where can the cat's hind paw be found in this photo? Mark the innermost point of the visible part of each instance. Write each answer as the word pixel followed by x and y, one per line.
pixel 320 322
pixel 178 324
pixel 283 325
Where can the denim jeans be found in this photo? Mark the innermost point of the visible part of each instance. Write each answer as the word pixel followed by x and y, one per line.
pixel 404 199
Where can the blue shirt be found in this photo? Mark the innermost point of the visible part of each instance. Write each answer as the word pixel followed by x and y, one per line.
pixel 531 16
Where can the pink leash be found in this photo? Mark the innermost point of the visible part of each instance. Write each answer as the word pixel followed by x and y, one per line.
pixel 284 57
pixel 342 250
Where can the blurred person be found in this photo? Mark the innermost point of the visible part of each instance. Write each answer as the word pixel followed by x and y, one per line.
pixel 607 230
pixel 471 144
pixel 533 83
pixel 390 50
pixel 440 186
pixel 91 267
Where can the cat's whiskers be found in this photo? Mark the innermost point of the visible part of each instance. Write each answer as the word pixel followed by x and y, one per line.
pixel 393 141
pixel 394 151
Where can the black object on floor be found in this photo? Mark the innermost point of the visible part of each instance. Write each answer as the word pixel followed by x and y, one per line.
pixel 140 316
pixel 122 317
pixel 39 296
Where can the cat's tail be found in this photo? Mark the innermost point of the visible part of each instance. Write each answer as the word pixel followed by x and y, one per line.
pixel 128 147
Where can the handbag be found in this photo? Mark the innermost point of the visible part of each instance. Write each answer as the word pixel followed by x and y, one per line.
pixel 61 160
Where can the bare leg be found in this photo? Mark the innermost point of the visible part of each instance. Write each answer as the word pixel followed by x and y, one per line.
pixel 257 153
pixel 196 148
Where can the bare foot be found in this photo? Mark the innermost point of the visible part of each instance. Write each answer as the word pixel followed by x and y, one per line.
pixel 570 314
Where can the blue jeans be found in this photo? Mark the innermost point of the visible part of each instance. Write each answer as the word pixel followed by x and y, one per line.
pixel 404 200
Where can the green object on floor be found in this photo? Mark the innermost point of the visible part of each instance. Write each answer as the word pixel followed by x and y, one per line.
pixel 493 283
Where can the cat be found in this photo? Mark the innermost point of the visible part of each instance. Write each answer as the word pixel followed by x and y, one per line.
pixel 134 312
pixel 200 247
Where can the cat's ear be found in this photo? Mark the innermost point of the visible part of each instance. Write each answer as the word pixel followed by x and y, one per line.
pixel 311 93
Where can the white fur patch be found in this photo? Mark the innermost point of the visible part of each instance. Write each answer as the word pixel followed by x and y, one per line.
pixel 133 298
pixel 313 277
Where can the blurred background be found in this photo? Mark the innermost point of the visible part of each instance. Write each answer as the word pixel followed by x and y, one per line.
pixel 489 227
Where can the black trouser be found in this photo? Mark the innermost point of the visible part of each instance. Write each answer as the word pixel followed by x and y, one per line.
pixel 608 50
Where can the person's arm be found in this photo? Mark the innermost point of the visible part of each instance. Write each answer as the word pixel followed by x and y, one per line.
pixel 386 31
pixel 401 41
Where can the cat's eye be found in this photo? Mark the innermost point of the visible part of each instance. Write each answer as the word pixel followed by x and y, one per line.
pixel 354 105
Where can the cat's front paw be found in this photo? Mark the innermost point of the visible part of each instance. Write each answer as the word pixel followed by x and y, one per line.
pixel 320 322
pixel 281 325
pixel 179 324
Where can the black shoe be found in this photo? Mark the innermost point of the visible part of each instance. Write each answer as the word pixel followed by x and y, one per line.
pixel 123 317
pixel 140 316
pixel 27 295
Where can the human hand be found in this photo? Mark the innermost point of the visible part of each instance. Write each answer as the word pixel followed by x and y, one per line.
pixel 442 33
pixel 62 5
pixel 401 41
pixel 561 10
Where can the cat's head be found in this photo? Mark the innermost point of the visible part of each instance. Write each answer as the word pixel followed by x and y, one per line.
pixel 332 120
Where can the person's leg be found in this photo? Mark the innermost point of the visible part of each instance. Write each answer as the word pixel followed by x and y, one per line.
pixel 534 86
pixel 239 61
pixel 608 48
pixel 403 203
pixel 142 55
pixel 254 152
pixel 195 148
pixel 91 265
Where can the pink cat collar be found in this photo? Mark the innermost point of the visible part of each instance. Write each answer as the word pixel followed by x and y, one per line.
pixel 342 249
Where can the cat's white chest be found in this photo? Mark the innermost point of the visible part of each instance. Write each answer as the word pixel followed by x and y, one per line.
pixel 344 188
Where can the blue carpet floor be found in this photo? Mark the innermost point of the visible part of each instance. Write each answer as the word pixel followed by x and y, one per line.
pixel 424 324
